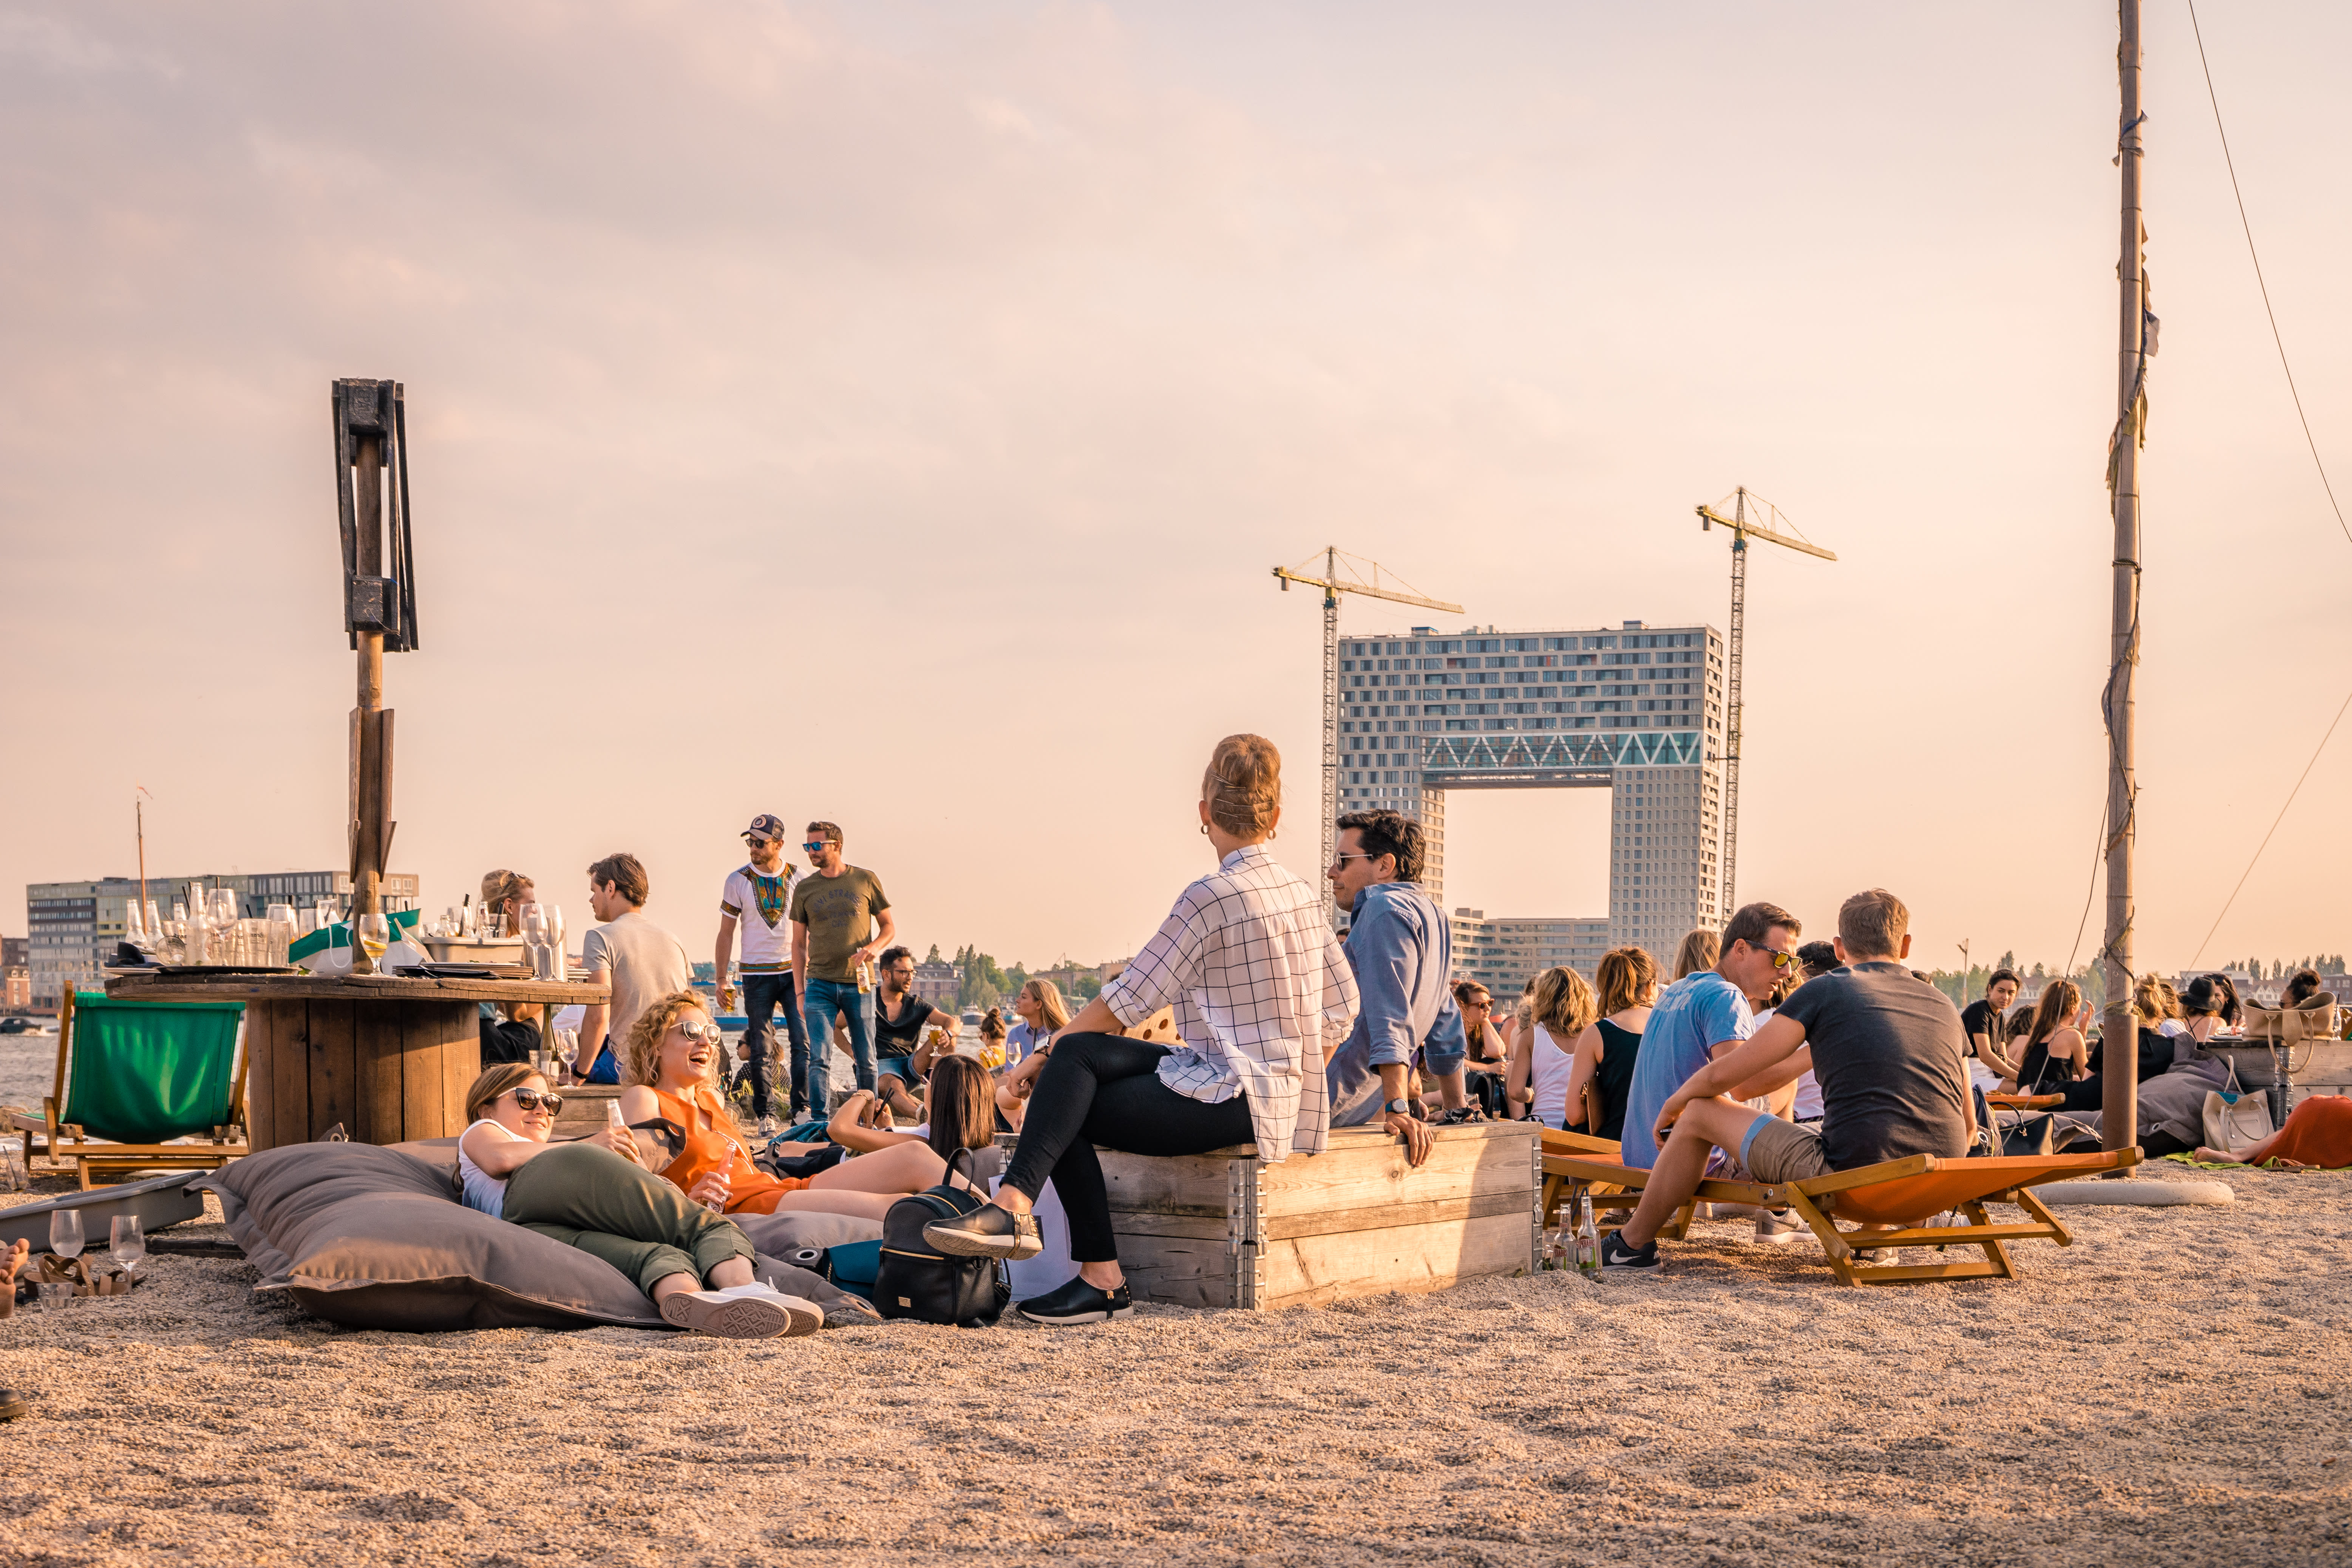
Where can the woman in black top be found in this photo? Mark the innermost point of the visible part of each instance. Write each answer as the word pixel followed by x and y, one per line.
pixel 1602 1074
pixel 2054 1049
pixel 1985 1022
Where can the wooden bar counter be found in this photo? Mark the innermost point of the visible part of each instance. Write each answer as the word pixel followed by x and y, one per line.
pixel 390 1058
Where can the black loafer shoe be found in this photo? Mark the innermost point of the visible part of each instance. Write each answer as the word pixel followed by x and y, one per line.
pixel 1077 1302
pixel 988 1231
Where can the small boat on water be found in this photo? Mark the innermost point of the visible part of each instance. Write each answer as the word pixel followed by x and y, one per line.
pixel 20 1026
pixel 971 1018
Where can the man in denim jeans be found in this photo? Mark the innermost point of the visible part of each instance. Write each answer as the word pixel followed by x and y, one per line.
pixel 835 912
pixel 758 897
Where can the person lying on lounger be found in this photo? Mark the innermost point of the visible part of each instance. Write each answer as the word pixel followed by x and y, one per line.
pixel 2318 1131
pixel 1886 1048
pixel 594 1194
pixel 685 1132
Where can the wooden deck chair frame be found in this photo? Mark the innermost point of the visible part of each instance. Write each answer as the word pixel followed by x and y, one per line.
pixel 1960 1186
pixel 95 1157
pixel 1575 1166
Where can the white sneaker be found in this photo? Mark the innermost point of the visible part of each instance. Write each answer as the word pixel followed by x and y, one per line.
pixel 741 1312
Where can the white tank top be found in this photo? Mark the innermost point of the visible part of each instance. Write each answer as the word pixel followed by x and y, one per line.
pixel 482 1190
pixel 1548 1067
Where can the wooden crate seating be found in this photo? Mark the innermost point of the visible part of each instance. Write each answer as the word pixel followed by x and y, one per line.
pixel 1227 1229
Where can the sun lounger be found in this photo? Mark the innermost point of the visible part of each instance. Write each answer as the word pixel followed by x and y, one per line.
pixel 1576 1166
pixel 131 1076
pixel 1902 1194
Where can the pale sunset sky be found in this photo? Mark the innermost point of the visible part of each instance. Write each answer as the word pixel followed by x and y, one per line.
pixel 890 413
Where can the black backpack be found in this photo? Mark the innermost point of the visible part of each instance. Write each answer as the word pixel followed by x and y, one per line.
pixel 918 1280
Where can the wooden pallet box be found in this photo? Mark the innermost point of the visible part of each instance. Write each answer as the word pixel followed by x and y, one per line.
pixel 1227 1229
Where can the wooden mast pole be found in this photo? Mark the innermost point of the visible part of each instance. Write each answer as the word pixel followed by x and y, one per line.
pixel 2119 1101
pixel 367 476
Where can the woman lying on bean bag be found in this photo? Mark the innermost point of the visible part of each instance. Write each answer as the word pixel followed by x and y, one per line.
pixel 596 1195
pixel 687 1132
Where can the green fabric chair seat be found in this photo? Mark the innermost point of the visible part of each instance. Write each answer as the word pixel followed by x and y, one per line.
pixel 143 1072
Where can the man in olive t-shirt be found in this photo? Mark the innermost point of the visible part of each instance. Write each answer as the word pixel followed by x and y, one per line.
pixel 835 916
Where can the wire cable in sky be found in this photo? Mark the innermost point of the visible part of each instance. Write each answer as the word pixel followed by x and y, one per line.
pixel 2275 828
pixel 2243 223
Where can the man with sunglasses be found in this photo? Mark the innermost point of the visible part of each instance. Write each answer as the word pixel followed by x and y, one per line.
pixel 841 918
pixel 1704 1015
pixel 1400 951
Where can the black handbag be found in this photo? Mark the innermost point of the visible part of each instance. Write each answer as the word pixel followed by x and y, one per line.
pixel 918 1280
pixel 800 1166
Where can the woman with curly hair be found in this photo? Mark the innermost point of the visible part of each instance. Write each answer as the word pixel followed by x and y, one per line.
pixel 671 1065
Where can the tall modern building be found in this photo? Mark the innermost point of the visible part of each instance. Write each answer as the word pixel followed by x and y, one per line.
pixel 1632 708
pixel 76 925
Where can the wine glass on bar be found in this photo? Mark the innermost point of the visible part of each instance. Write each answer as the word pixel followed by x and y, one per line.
pixel 374 933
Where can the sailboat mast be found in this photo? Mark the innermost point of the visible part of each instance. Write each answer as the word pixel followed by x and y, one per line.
pixel 2120 1090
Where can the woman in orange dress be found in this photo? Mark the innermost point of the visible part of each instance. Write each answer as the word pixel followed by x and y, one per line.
pixel 2318 1131
pixel 670 1064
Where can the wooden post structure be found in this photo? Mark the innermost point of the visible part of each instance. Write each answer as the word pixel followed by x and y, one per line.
pixel 378 611
pixel 2119 1100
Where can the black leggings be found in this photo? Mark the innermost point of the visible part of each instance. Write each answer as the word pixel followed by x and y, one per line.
pixel 1105 1089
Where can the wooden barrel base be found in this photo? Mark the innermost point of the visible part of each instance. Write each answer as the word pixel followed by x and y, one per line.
pixel 387 1071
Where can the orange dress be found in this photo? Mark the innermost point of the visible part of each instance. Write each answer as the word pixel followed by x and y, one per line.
pixel 749 1190
pixel 2318 1131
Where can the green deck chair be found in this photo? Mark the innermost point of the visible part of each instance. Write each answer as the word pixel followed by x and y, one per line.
pixel 133 1074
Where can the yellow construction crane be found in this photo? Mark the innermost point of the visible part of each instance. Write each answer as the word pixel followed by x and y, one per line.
pixel 1333 584
pixel 1742 526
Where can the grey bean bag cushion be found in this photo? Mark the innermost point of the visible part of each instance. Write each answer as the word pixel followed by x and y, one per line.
pixel 376 1238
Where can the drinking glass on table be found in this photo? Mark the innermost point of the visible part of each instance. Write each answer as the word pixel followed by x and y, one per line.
pixel 374 933
pixel 65 1232
pixel 127 1240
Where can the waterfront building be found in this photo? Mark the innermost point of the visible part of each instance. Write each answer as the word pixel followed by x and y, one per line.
pixel 76 926
pixel 1503 953
pixel 938 982
pixel 1632 708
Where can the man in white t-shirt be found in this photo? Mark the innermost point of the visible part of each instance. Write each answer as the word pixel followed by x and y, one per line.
pixel 758 900
pixel 639 961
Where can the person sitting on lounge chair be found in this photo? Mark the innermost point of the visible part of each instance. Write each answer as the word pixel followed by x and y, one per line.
pixel 671 1062
pixel 1887 1048
pixel 596 1195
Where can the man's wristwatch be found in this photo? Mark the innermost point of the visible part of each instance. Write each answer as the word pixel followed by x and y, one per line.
pixel 1399 1106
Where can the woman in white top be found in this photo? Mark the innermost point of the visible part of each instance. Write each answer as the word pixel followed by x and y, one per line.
pixel 1262 998
pixel 1543 1055
pixel 1042 1012
pixel 594 1194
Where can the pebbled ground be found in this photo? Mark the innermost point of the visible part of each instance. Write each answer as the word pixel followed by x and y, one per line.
pixel 2171 1389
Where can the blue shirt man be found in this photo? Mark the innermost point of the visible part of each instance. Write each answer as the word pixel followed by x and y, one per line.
pixel 1701 1016
pixel 1401 952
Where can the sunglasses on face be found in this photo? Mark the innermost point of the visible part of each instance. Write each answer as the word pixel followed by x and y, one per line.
pixel 817 846
pixel 697 1029
pixel 1784 960
pixel 533 1100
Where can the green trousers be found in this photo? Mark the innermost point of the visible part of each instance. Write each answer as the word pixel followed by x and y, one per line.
pixel 590 1198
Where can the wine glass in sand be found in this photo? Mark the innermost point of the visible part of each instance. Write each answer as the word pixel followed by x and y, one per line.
pixel 65 1232
pixel 127 1240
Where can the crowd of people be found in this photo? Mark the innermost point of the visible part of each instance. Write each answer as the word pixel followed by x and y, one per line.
pixel 1764 1058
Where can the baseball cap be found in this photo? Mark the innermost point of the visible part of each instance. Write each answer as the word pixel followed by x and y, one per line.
pixel 767 829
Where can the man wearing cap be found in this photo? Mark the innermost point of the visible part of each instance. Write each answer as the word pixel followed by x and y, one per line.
pixel 758 897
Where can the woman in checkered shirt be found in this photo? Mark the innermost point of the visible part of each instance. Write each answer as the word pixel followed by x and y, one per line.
pixel 1262 997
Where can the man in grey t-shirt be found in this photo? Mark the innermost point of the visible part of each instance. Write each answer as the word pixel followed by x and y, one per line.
pixel 1888 1051
pixel 639 961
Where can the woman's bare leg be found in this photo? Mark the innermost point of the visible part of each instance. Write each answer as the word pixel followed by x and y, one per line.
pixel 864 1206
pixel 901 1168
pixel 2252 1155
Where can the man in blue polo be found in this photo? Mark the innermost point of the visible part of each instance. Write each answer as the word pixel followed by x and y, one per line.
pixel 1704 1015
pixel 1401 951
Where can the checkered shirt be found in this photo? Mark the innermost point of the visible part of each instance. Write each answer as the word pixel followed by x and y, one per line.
pixel 1262 992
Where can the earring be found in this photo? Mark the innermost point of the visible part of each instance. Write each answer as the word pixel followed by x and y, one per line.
pixel 1205 830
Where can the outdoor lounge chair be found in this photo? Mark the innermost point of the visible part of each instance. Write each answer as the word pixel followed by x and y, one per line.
pixel 1899 1194
pixel 1575 1165
pixel 133 1074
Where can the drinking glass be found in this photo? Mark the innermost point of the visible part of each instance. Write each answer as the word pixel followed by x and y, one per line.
pixel 127 1241
pixel 494 924
pixel 55 1294
pixel 65 1232
pixel 374 933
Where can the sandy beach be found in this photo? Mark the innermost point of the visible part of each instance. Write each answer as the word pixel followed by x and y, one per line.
pixel 2170 1389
